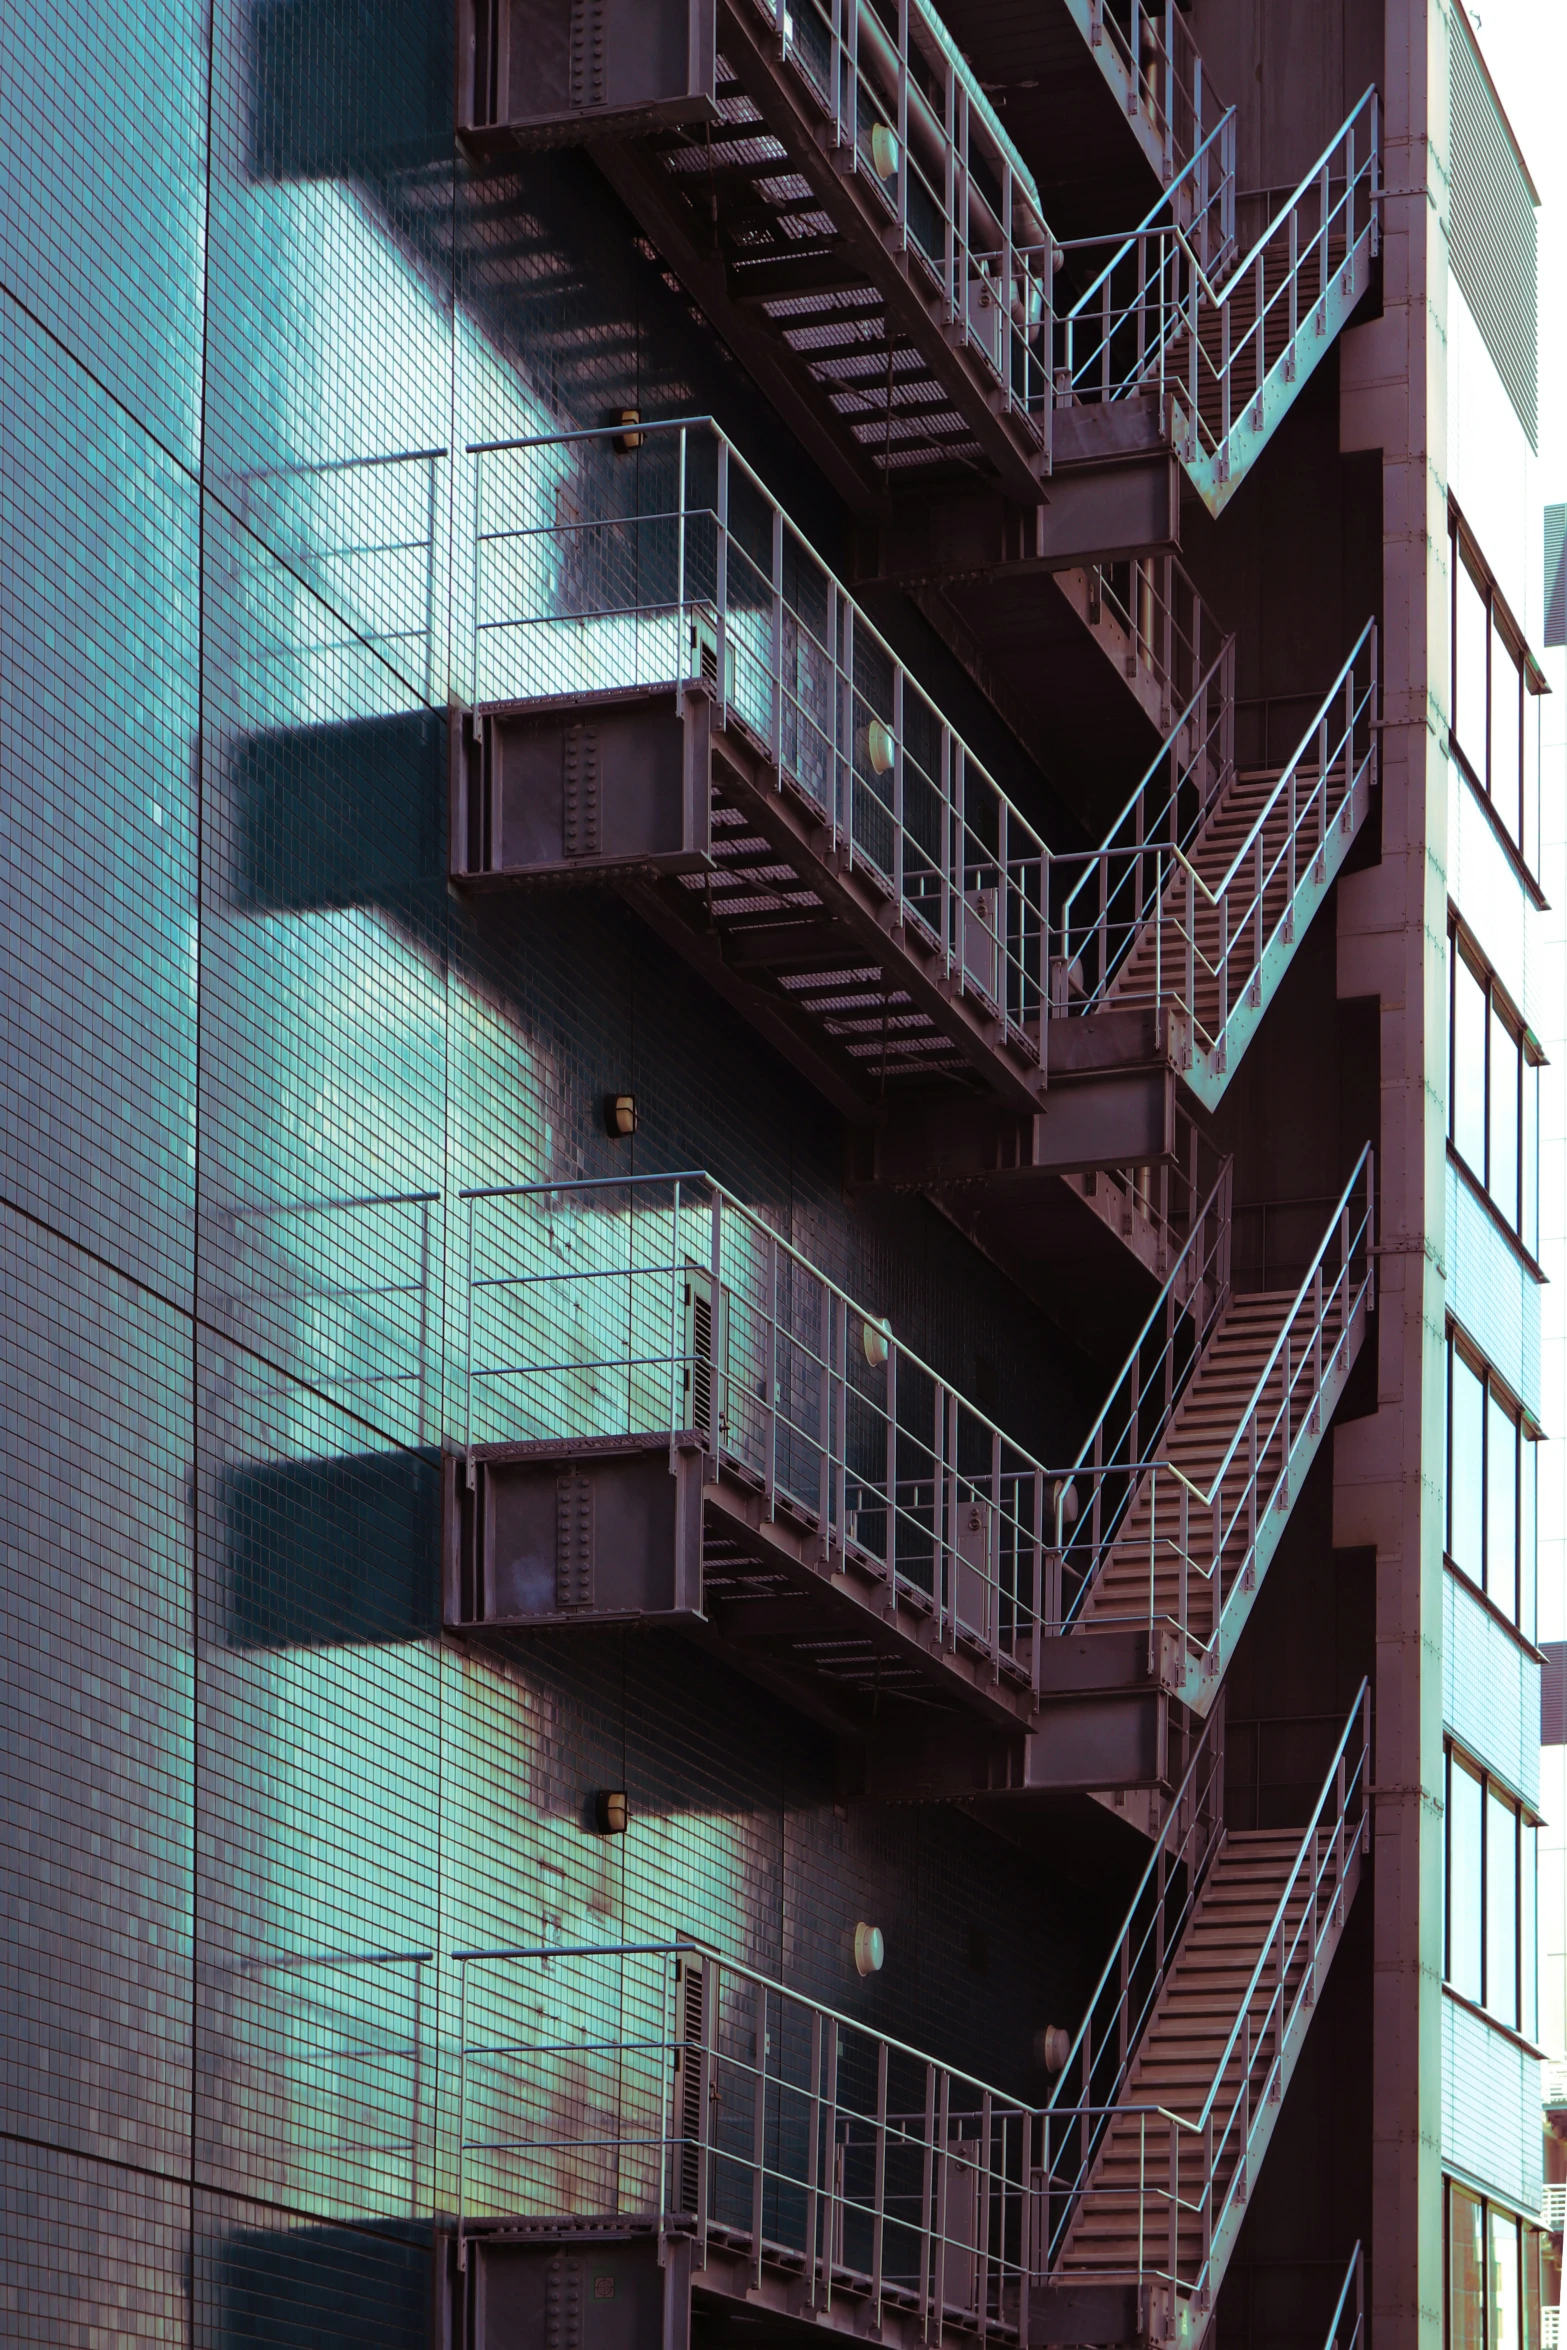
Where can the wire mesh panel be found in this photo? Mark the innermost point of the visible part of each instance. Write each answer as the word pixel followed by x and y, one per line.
pixel 659 2083
pixel 655 558
pixel 659 1305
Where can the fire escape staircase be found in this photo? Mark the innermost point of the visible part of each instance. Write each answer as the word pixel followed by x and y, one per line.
pixel 657 2126
pixel 1171 1514
pixel 1171 939
pixel 838 195
pixel 1166 2105
pixel 1167 1521
pixel 674 1421
pixel 1179 342
pixel 674 698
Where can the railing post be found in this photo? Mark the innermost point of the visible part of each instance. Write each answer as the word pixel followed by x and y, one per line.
pixel 879 2194
pixel 721 586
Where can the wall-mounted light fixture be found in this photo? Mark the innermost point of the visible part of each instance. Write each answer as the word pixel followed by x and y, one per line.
pixel 879 744
pixel 626 441
pixel 869 1949
pixel 1053 2046
pixel 620 1115
pixel 884 151
pixel 876 1341
pixel 611 1815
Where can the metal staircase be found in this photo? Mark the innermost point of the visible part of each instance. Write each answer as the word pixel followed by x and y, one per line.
pixel 1168 1519
pixel 1168 2099
pixel 834 188
pixel 673 1419
pixel 1175 338
pixel 1182 923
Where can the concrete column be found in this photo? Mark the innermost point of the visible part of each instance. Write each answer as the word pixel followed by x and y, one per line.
pixel 1388 1469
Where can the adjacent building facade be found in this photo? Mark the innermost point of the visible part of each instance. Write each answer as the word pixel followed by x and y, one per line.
pixel 773 1185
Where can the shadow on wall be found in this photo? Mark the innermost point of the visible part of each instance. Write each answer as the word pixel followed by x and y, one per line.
pixel 351 814
pixel 329 1551
pixel 309 121
pixel 320 2289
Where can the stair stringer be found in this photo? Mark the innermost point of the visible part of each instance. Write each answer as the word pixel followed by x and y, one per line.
pixel 1211 1068
pixel 1204 1675
pixel 1227 2220
pixel 1217 474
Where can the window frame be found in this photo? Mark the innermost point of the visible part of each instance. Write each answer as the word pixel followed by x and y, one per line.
pixel 1468 740
pixel 1520 1215
pixel 1495 1396
pixel 1530 2241
pixel 1521 2017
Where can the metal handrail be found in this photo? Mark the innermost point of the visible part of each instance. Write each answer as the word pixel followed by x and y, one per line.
pixel 1173 287
pixel 739 2112
pixel 1354 2284
pixel 1316 1880
pixel 1157 38
pixel 1337 745
pixel 1188 1274
pixel 1291 1419
pixel 1150 225
pixel 990 254
pixel 1192 1834
pixel 657 583
pixel 1220 671
pixel 794 1386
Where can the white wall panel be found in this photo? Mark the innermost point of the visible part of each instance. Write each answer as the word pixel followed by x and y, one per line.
pixel 1490 1690
pixel 1491 2128
pixel 1492 1293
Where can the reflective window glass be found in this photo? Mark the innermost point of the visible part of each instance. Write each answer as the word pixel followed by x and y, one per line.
pixel 1501 1507
pixel 1504 1072
pixel 1501 1909
pixel 1528 1464
pixel 1465 1903
pixel 1529 1167
pixel 1506 734
pixel 1529 2018
pixel 1466 1468
pixel 1471 633
pixel 1467 1107
pixel 1465 2271
pixel 1530 844
pixel 1504 2330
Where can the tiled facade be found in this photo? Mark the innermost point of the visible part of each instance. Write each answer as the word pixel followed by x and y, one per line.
pixel 257 312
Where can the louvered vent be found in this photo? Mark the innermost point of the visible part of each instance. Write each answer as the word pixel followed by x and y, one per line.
pixel 1492 235
pixel 1556 575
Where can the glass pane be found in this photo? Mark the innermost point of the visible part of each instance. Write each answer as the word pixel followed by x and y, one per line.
pixel 1505 1060
pixel 1533 2245
pixel 1501 1909
pixel 1466 1469
pixel 1506 725
pixel 1465 2287
pixel 1531 782
pixel 1501 1507
pixel 1506 2309
pixel 1529 2019
pixel 1465 1907
pixel 1467 1113
pixel 1528 1527
pixel 1472 628
pixel 1529 1172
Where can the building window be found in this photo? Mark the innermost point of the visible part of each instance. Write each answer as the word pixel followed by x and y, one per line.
pixel 1492 2291
pixel 1490 1896
pixel 1495 730
pixel 1493 1090
pixel 1491 1477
